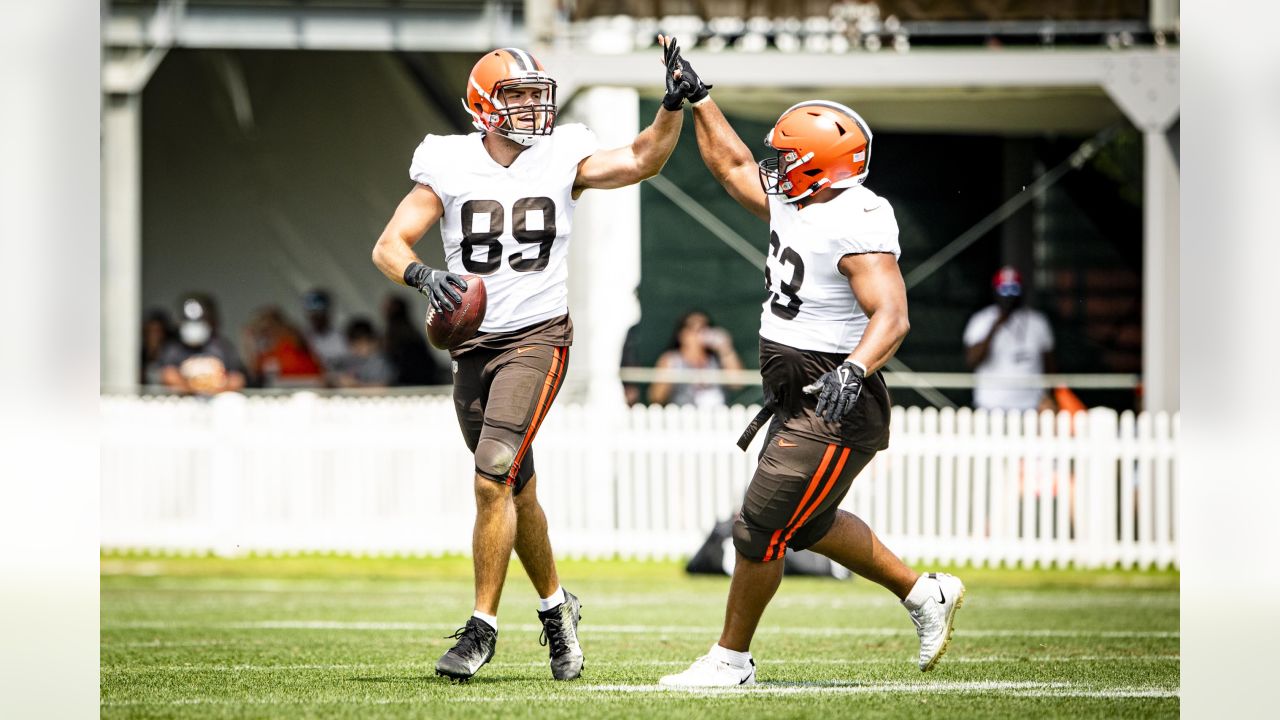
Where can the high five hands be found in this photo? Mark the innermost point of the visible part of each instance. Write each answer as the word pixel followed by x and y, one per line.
pixel 682 80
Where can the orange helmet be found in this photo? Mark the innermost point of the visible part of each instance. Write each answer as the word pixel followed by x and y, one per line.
pixel 486 101
pixel 820 144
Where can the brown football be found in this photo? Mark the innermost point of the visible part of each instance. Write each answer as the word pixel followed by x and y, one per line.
pixel 447 330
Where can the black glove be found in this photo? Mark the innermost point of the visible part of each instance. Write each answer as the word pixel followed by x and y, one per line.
pixel 837 391
pixel 688 85
pixel 675 89
pixel 695 89
pixel 435 285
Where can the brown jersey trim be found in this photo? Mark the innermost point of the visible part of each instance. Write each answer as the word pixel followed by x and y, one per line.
pixel 556 332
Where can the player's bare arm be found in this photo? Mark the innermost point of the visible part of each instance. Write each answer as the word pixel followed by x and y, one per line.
pixel 724 153
pixel 640 160
pixel 646 155
pixel 728 158
pixel 417 212
pixel 877 283
pixel 393 253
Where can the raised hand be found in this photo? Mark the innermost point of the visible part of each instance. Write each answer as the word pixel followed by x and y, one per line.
pixel 682 80
pixel 671 60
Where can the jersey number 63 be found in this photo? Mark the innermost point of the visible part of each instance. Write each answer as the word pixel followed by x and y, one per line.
pixel 786 256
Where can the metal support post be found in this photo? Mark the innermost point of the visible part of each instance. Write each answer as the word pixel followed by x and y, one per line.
pixel 121 308
pixel 605 255
pixel 1160 273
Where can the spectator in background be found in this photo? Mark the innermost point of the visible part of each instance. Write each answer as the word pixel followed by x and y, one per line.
pixel 364 365
pixel 406 348
pixel 328 345
pixel 278 352
pixel 157 331
pixel 695 345
pixel 630 359
pixel 1007 339
pixel 200 361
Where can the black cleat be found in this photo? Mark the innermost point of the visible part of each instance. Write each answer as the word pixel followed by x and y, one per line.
pixel 560 631
pixel 476 643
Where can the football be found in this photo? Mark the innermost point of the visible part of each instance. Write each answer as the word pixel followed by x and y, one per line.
pixel 447 330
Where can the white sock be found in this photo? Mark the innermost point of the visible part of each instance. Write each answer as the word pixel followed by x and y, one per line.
pixel 733 657
pixel 546 603
pixel 924 589
pixel 491 619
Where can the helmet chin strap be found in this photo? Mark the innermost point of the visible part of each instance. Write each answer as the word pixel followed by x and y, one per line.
pixel 850 182
pixel 812 189
pixel 525 139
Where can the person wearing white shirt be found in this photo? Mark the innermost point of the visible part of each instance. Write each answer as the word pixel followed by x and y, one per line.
pixel 1005 342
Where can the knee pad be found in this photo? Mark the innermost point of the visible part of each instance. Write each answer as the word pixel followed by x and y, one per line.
pixel 494 458
pixel 751 541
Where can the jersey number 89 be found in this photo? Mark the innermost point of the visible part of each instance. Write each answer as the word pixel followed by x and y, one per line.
pixel 490 239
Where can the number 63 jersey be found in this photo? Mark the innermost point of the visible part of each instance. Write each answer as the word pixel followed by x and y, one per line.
pixel 509 225
pixel 810 305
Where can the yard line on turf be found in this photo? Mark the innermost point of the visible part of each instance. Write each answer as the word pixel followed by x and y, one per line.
pixel 141 669
pixel 591 693
pixel 260 701
pixel 625 629
pixel 1110 693
pixel 168 643
pixel 1016 688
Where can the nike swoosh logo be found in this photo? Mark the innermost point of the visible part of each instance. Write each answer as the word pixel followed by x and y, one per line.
pixel 523 350
pixel 934 576
pixel 877 207
pixel 784 443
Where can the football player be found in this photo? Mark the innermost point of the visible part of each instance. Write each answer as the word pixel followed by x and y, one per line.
pixel 836 312
pixel 505 197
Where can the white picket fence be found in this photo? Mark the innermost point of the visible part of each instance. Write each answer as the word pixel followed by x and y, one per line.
pixel 391 475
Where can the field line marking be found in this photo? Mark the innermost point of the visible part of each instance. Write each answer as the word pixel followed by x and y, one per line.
pixel 591 693
pixel 426 666
pixel 629 629
pixel 1032 688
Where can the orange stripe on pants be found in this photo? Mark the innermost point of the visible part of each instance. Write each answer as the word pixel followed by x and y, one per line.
pixel 550 387
pixel 813 484
pixel 835 475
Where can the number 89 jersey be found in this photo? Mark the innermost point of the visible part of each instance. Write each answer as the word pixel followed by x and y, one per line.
pixel 810 305
pixel 509 225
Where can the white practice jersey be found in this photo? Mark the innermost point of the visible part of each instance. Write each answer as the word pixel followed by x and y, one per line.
pixel 509 225
pixel 810 305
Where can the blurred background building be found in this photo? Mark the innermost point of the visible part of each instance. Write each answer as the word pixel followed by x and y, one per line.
pixel 255 150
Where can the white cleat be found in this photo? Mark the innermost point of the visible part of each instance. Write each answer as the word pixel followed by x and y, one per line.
pixel 707 671
pixel 936 615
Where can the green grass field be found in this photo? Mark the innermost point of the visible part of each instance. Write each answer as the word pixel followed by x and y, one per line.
pixel 358 638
